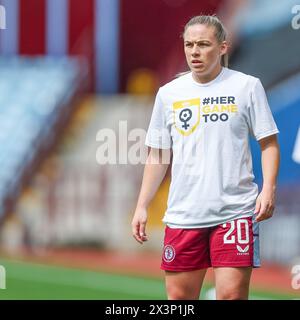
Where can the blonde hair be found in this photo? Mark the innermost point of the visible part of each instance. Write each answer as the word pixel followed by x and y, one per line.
pixel 215 22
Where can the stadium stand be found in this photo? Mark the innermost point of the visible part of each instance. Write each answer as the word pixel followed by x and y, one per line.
pixel 36 96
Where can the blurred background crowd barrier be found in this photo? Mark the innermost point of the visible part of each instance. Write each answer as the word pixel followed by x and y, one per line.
pixel 71 68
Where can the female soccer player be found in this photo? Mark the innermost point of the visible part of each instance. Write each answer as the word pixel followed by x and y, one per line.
pixel 202 120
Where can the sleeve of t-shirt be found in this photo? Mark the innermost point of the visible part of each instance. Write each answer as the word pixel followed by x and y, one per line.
pixel 262 123
pixel 158 135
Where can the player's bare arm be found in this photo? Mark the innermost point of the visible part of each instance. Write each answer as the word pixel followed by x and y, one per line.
pixel 155 169
pixel 270 158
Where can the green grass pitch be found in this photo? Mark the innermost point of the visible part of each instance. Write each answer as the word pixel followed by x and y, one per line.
pixel 31 281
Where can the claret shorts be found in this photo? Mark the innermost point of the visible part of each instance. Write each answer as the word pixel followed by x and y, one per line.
pixel 231 244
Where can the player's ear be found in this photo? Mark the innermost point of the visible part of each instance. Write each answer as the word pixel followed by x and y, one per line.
pixel 223 48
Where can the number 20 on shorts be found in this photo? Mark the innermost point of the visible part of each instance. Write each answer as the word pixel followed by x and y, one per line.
pixel 242 237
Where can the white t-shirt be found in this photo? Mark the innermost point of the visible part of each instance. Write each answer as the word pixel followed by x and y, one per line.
pixel 207 126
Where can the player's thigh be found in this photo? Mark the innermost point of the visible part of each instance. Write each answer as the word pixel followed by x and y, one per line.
pixel 232 283
pixel 184 285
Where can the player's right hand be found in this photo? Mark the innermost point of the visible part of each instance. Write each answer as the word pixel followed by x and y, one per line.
pixel 139 225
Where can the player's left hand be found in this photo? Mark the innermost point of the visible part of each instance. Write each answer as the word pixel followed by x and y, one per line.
pixel 265 203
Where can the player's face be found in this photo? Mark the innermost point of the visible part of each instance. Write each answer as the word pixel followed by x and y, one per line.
pixel 202 50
